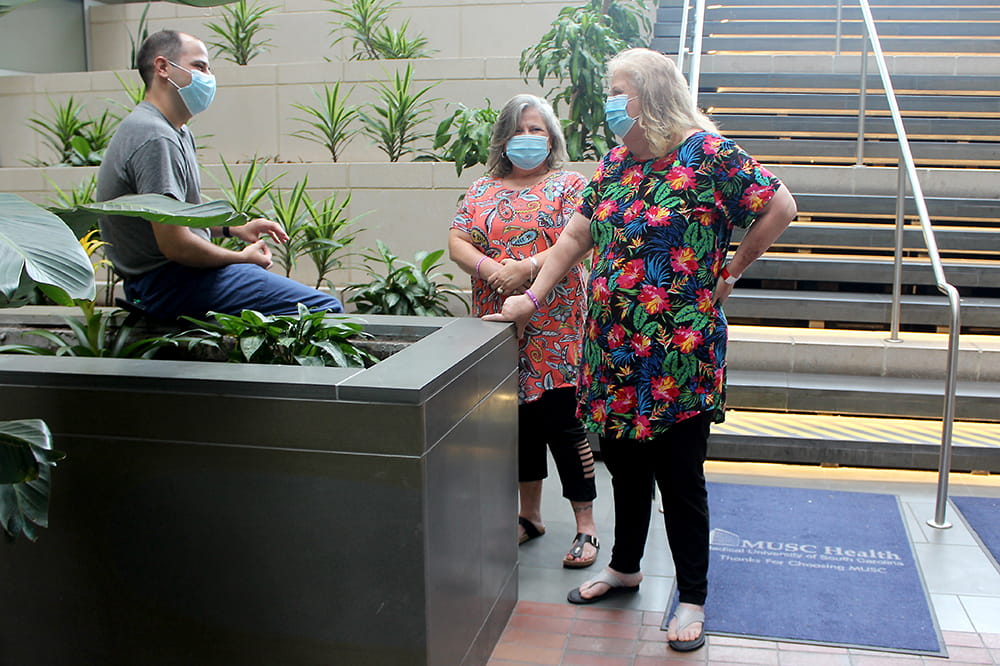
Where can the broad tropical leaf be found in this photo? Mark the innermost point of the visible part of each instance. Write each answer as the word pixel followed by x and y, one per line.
pixel 24 504
pixel 159 208
pixel 35 242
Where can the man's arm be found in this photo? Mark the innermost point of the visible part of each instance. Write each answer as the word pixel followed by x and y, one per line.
pixel 183 246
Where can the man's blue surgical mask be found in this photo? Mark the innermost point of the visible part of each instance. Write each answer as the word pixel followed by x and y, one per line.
pixel 616 114
pixel 527 151
pixel 198 94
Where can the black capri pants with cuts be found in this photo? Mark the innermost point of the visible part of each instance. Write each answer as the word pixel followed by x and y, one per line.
pixel 551 420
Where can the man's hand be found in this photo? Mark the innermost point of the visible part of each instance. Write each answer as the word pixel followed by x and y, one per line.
pixel 252 231
pixel 257 253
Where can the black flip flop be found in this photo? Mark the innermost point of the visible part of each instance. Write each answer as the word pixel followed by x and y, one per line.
pixel 530 531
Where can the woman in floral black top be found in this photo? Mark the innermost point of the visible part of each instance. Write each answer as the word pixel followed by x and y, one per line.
pixel 659 215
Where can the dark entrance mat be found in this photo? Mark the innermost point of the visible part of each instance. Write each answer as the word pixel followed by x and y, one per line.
pixel 982 514
pixel 815 566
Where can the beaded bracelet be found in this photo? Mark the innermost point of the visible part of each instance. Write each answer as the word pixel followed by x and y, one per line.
pixel 534 299
pixel 480 263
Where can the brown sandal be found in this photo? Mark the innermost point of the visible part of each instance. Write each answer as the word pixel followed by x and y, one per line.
pixel 573 559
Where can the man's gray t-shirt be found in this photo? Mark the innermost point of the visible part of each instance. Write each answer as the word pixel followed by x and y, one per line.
pixel 147 155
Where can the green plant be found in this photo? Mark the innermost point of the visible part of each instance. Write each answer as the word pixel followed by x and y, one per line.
pixel 394 127
pixel 469 131
pixel 331 118
pixel 26 459
pixel 77 141
pixel 98 334
pixel 84 193
pixel 92 141
pixel 142 32
pixel 365 21
pixel 243 193
pixel 581 40
pixel 58 131
pixel 39 250
pixel 309 338
pixel 238 32
pixel 135 92
pixel 404 289
pixel 327 232
pixel 292 215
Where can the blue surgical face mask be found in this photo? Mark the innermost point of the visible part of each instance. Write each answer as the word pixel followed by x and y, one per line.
pixel 198 94
pixel 527 151
pixel 616 115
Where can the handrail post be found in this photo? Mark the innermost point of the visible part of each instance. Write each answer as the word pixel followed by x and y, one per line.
pixel 897 270
pixel 862 98
pixel 944 462
pixel 699 28
pixel 840 14
pixel 682 41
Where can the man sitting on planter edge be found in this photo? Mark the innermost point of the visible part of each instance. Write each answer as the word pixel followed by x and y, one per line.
pixel 172 270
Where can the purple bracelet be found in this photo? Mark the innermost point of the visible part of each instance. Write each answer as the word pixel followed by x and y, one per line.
pixel 534 299
pixel 478 264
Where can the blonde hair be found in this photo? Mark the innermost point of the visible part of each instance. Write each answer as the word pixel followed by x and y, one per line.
pixel 497 164
pixel 668 112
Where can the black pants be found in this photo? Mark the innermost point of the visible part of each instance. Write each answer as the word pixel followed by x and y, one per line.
pixel 551 420
pixel 675 461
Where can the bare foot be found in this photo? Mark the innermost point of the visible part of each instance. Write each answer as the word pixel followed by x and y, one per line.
pixel 588 555
pixel 690 632
pixel 597 588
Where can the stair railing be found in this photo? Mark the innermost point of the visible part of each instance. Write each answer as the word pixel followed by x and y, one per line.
pixel 907 173
pixel 906 163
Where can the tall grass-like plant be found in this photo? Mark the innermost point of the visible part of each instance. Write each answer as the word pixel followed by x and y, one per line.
pixel 365 22
pixel 329 121
pixel 142 32
pixel 58 131
pixel 394 126
pixel 245 192
pixel 135 92
pixel 76 140
pixel 291 214
pixel 327 233
pixel 239 31
pixel 92 141
pixel 404 288
pixel 573 52
pixel 82 194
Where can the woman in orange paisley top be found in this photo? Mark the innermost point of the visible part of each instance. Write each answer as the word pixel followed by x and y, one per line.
pixel 501 236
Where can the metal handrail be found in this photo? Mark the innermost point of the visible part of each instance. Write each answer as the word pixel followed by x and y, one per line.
pixel 908 168
pixel 954 329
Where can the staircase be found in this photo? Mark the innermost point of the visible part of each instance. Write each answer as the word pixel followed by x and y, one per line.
pixel 812 377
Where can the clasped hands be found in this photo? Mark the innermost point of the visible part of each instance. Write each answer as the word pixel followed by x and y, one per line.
pixel 257 251
pixel 512 278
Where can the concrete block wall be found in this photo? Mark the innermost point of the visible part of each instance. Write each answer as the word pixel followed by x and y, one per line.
pixel 252 113
pixel 301 29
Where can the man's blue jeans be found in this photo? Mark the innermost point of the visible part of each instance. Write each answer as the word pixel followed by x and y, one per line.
pixel 174 290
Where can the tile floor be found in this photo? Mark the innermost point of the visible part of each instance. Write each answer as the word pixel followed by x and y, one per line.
pixel 961 579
